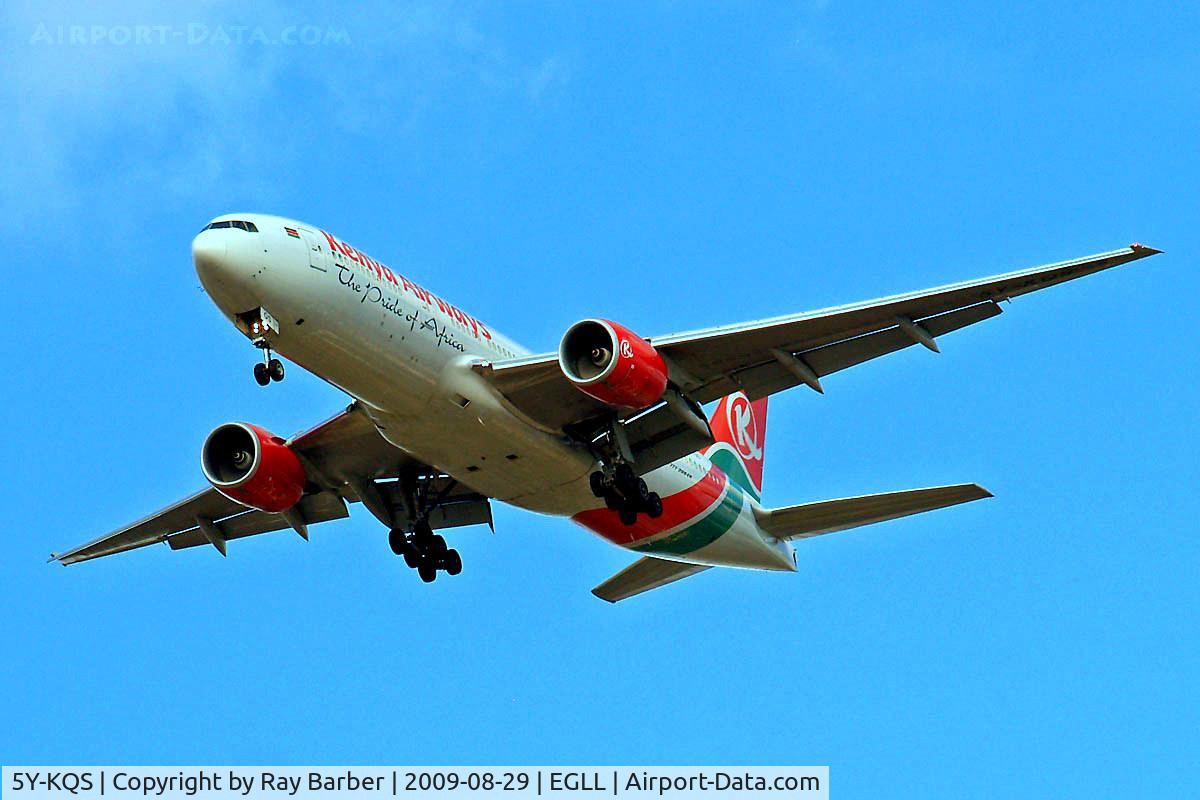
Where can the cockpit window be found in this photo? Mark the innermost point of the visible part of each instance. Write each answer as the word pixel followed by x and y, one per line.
pixel 249 227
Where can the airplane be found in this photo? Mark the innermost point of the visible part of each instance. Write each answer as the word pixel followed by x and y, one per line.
pixel 448 414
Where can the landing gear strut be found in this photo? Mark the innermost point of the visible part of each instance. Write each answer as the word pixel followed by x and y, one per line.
pixel 627 494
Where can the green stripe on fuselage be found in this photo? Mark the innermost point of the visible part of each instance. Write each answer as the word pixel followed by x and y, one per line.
pixel 703 531
pixel 733 467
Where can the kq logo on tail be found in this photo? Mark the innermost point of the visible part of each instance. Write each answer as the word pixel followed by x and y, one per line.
pixel 739 428
pixel 744 426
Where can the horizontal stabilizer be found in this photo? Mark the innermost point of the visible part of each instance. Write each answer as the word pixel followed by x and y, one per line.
pixel 642 576
pixel 814 519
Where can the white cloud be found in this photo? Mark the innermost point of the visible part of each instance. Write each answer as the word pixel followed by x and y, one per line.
pixel 186 107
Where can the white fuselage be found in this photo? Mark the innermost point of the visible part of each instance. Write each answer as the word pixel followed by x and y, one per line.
pixel 405 354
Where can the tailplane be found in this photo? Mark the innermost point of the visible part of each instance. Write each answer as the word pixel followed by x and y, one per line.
pixel 797 522
pixel 739 429
pixel 814 519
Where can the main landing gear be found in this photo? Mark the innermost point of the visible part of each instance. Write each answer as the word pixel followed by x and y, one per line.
pixel 627 494
pixel 425 551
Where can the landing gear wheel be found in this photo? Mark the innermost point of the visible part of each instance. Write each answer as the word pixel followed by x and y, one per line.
pixel 596 481
pixel 628 516
pixel 261 377
pixel 452 562
pixel 275 369
pixel 427 570
pixel 613 501
pixel 411 557
pixel 654 507
pixel 437 546
pixel 641 492
pixel 398 542
pixel 624 476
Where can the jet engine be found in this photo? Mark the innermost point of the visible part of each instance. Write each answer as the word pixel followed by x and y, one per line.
pixel 612 364
pixel 253 466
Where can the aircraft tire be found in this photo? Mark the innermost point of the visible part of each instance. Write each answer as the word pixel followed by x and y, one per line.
pixel 625 477
pixel 261 376
pixel 427 570
pixel 654 506
pixel 397 542
pixel 275 369
pixel 452 562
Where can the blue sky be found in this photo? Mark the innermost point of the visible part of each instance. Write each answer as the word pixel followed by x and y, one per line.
pixel 669 165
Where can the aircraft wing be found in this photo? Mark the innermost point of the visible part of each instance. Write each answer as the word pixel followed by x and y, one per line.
pixel 643 575
pixel 345 459
pixel 768 356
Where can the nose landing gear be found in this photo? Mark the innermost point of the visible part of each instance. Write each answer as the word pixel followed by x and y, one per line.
pixel 259 325
pixel 269 369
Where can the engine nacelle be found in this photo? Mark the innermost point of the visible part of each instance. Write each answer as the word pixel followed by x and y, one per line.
pixel 253 466
pixel 612 364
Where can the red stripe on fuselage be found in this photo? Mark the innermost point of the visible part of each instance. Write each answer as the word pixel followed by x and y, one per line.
pixel 677 509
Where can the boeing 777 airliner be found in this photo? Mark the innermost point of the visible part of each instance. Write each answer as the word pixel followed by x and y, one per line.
pixel 448 414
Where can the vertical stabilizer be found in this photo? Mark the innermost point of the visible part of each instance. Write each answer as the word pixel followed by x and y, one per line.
pixel 740 430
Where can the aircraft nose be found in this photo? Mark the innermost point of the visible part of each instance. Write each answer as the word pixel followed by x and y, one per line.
pixel 208 254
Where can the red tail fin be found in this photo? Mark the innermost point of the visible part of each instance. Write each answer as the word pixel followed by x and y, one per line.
pixel 740 429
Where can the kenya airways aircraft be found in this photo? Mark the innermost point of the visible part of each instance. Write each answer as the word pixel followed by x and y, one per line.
pixel 448 414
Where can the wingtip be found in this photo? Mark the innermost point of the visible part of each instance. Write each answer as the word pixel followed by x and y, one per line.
pixel 1145 250
pixel 602 597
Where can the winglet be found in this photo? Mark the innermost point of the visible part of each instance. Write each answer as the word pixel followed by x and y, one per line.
pixel 1143 249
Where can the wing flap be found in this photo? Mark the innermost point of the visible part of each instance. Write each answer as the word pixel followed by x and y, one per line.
pixel 770 376
pixel 155 528
pixel 721 350
pixel 642 576
pixel 829 516
pixel 313 508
